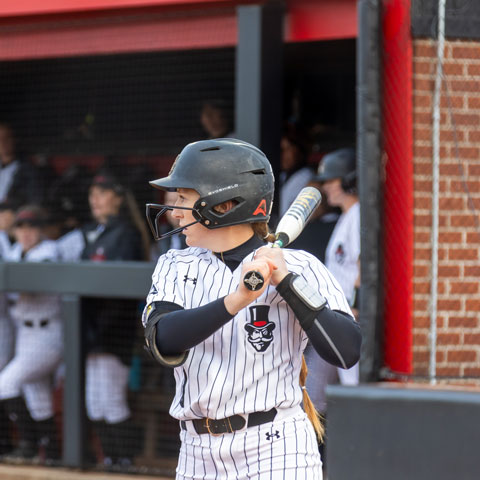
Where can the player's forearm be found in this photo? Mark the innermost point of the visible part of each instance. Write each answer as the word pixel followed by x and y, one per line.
pixel 336 337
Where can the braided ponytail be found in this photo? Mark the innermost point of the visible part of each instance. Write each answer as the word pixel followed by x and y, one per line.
pixel 308 405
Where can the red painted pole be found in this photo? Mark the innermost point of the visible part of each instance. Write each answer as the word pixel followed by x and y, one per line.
pixel 398 193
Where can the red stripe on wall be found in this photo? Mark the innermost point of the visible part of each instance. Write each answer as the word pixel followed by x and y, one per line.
pixel 163 25
pixel 309 20
pixel 36 7
pixel 118 35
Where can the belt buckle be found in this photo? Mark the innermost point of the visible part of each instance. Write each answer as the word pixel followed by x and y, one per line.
pixel 210 427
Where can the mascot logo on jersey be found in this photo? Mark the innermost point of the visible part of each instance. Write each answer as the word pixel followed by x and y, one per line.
pixel 260 328
pixel 340 254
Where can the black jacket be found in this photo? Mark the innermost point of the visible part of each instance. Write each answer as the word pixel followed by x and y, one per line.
pixel 111 323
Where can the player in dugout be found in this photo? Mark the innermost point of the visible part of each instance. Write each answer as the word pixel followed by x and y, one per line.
pixel 237 353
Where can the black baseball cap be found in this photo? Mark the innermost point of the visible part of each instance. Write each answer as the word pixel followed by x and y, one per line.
pixel 108 182
pixel 9 204
pixel 30 215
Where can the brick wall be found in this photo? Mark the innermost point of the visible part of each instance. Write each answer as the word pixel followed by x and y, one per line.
pixel 458 319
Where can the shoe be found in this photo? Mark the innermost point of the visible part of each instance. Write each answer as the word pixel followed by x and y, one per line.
pixel 48 442
pixel 24 451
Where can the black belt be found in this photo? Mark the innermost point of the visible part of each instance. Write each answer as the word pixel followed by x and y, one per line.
pixel 229 424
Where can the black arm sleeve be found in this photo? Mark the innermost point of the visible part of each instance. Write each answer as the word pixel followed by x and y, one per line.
pixel 180 330
pixel 335 335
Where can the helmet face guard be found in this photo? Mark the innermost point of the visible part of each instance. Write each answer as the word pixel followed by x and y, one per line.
pixel 153 219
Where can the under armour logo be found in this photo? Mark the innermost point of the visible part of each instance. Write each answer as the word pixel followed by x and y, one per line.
pixel 186 278
pixel 271 436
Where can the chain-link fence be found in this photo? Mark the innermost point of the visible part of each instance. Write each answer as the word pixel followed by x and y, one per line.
pixel 82 132
pixel 80 138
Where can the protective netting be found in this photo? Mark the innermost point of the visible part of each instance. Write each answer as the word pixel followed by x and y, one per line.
pixel 82 125
pixel 78 132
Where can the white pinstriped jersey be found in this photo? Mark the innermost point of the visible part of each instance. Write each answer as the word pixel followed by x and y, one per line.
pixel 44 251
pixel 5 245
pixel 39 339
pixel 343 250
pixel 253 362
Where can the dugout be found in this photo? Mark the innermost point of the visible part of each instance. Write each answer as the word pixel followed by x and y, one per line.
pixel 122 83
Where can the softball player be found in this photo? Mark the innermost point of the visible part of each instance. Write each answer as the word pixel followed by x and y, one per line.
pixel 338 176
pixel 110 323
pixel 7 219
pixel 38 344
pixel 237 353
pixel 7 338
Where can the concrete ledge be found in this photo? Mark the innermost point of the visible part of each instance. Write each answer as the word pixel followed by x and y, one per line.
pixel 399 432
pixel 17 472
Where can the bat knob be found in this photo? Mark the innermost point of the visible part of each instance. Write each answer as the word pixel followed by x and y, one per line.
pixel 253 280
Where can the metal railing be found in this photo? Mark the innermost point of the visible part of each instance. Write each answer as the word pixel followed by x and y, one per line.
pixel 72 281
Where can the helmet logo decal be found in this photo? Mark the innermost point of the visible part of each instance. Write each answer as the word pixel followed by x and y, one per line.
pixel 218 190
pixel 172 168
pixel 261 209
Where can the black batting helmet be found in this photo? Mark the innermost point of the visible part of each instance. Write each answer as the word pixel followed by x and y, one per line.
pixel 341 164
pixel 220 170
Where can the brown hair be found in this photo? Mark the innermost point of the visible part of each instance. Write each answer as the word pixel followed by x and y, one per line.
pixel 308 405
pixel 139 222
pixel 262 230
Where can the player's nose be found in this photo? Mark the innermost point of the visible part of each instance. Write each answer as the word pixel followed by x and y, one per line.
pixel 177 213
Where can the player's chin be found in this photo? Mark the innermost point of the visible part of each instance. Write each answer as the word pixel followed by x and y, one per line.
pixel 190 240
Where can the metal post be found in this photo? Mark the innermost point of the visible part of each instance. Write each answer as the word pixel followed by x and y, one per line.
pixel 74 431
pixel 259 73
pixel 370 193
pixel 432 368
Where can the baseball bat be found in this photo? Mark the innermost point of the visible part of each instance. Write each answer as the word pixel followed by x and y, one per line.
pixel 289 228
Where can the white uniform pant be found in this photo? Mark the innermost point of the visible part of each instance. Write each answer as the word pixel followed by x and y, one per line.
pixel 38 352
pixel 106 388
pixel 284 449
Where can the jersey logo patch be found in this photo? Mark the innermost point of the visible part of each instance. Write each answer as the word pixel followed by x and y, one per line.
pixel 259 329
pixel 186 278
pixel 271 436
pixel 340 254
pixel 261 209
pixel 153 290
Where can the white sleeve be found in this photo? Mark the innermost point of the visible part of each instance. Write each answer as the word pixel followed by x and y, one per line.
pixel 350 376
pixel 71 246
pixel 319 277
pixel 4 244
pixel 164 284
pixel 46 251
